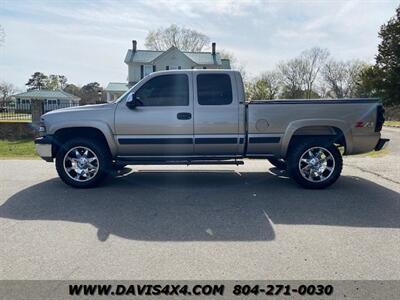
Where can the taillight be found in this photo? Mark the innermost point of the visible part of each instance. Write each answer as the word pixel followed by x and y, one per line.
pixel 380 118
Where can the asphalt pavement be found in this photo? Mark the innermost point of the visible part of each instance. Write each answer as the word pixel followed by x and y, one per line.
pixel 202 222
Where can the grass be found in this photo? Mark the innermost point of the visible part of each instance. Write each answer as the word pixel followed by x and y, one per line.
pixel 374 154
pixel 392 123
pixel 381 153
pixel 15 117
pixel 16 121
pixel 17 149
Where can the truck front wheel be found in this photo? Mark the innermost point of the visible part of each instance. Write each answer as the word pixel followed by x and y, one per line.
pixel 315 164
pixel 82 163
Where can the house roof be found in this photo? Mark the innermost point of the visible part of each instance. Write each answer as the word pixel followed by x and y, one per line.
pixel 45 94
pixel 147 56
pixel 142 55
pixel 117 87
pixel 204 58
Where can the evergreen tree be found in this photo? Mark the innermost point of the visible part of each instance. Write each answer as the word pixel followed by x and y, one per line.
pixel 38 81
pixel 387 67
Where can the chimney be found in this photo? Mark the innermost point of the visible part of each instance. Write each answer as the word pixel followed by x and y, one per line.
pixel 134 45
pixel 213 48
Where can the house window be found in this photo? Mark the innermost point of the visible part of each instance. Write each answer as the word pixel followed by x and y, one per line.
pixel 52 102
pixel 173 67
pixel 147 70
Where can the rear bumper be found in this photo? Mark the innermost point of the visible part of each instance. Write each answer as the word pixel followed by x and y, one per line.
pixel 44 147
pixel 382 143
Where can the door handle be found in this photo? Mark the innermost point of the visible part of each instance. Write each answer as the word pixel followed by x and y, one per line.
pixel 184 116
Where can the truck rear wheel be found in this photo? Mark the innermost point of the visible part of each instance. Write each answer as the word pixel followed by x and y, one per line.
pixel 315 164
pixel 83 163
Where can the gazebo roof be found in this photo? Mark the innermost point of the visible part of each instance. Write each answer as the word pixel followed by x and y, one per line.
pixel 46 94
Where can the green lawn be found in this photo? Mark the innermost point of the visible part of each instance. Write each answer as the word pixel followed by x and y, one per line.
pixel 392 123
pixel 17 149
pixel 16 121
pixel 15 117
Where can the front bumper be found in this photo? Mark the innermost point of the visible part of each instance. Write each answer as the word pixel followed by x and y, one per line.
pixel 44 147
pixel 382 143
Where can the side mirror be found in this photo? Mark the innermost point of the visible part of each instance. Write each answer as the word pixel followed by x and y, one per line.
pixel 132 101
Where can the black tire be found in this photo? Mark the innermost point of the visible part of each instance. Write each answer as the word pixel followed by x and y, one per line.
pixel 279 163
pixel 301 147
pixel 103 156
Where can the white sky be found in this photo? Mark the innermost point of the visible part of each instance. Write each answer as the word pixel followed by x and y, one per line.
pixel 87 40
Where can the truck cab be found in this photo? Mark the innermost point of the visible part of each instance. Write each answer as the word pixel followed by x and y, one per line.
pixel 182 114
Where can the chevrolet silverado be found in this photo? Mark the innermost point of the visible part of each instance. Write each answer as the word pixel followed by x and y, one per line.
pixel 202 117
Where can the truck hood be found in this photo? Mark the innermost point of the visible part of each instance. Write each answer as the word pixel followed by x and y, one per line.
pixel 77 109
pixel 79 116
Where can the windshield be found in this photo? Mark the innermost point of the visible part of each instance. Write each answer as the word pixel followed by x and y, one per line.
pixel 124 95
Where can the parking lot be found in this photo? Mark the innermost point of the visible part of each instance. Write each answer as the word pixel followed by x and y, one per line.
pixel 202 222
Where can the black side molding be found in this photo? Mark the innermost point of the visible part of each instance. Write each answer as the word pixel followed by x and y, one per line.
pixel 202 141
pixel 179 141
pixel 155 141
pixel 264 140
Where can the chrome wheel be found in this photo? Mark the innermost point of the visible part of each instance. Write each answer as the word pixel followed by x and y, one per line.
pixel 81 164
pixel 316 164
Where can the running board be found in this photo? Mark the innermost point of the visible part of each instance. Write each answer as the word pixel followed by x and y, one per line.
pixel 180 162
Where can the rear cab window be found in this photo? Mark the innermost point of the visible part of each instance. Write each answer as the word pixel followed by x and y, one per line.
pixel 214 89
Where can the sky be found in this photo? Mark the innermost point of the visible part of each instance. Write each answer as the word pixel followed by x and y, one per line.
pixel 87 40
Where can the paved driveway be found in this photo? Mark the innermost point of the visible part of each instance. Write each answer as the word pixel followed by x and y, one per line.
pixel 201 222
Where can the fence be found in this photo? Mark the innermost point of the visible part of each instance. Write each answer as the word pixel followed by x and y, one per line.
pixel 23 111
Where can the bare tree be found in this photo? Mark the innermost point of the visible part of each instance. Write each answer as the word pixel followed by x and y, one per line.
pixel 2 36
pixel 342 78
pixel 312 60
pixel 6 90
pixel 183 38
pixel 292 75
pixel 300 74
pixel 266 86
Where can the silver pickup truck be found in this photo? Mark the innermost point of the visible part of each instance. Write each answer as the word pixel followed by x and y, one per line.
pixel 202 117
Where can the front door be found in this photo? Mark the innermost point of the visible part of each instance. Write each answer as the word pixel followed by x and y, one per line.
pixel 162 125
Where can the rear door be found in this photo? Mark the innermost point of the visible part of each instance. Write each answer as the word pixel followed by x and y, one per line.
pixel 163 125
pixel 216 120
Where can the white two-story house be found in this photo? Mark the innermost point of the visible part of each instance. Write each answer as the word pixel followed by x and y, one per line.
pixel 143 62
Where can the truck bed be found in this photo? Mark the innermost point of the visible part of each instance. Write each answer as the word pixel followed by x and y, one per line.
pixel 275 120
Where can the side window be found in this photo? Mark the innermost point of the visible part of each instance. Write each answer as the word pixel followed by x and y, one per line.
pixel 165 90
pixel 214 89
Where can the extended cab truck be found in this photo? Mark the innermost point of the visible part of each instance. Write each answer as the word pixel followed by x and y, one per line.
pixel 200 116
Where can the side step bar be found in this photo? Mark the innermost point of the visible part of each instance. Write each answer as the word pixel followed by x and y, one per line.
pixel 181 162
